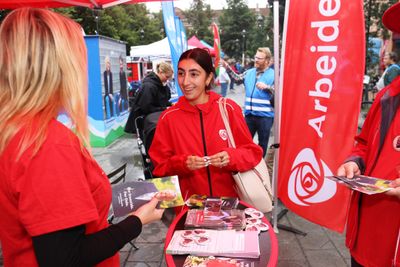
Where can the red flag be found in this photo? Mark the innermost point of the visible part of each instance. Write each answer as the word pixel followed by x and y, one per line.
pixel 322 75
pixel 217 47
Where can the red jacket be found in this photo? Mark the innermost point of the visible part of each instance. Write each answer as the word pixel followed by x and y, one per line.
pixel 179 134
pixel 374 220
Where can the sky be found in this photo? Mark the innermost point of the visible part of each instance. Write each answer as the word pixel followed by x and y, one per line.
pixel 215 4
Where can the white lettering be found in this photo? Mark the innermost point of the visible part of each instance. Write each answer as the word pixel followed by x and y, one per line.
pixel 328 30
pixel 319 92
pixel 325 65
pixel 316 124
pixel 319 107
pixel 324 48
pixel 325 7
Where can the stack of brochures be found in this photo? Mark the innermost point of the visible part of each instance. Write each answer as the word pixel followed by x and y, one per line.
pixel 203 242
pixel 199 201
pixel 223 219
pixel 211 261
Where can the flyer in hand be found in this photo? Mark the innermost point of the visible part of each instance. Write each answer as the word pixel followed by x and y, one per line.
pixel 364 184
pixel 129 196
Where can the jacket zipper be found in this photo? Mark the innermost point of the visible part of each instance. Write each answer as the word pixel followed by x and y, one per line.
pixel 205 152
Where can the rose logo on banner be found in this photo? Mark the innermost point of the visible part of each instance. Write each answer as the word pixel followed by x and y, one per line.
pixel 307 184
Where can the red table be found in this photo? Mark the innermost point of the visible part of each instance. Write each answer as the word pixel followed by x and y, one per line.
pixel 268 242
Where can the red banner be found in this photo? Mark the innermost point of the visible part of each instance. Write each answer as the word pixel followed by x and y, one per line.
pixel 217 47
pixel 322 75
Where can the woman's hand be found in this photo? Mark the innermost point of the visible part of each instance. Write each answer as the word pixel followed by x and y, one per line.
pixel 349 169
pixel 220 159
pixel 196 162
pixel 148 212
pixel 166 195
pixel 396 188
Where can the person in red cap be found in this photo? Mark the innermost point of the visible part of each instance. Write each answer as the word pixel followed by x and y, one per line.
pixel 373 225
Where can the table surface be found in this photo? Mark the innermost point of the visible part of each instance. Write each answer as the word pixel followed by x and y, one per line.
pixel 268 242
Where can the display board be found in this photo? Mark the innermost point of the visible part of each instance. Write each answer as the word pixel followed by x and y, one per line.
pixel 108 90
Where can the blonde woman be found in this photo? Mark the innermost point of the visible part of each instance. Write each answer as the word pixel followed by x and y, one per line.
pixel 153 98
pixel 54 197
pixel 155 93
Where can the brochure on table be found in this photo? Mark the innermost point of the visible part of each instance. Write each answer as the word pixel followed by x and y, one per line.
pixel 211 261
pixel 223 219
pixel 227 243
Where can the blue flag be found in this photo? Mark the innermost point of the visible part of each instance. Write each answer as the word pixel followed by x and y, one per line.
pixel 176 36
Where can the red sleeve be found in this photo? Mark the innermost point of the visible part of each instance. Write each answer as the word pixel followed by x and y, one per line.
pixel 361 146
pixel 162 154
pixel 247 154
pixel 53 192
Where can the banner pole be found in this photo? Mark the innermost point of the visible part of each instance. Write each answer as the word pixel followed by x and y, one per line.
pixel 277 122
pixel 277 114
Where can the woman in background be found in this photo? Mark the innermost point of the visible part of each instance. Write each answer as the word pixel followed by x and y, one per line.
pixel 191 140
pixel 155 94
pixel 54 197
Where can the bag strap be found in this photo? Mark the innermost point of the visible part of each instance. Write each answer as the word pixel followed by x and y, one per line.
pixel 225 118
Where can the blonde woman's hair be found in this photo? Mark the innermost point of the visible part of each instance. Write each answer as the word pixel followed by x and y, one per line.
pixel 164 67
pixel 43 70
pixel 266 51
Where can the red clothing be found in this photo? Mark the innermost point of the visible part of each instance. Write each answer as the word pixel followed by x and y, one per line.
pixel 179 134
pixel 58 188
pixel 374 220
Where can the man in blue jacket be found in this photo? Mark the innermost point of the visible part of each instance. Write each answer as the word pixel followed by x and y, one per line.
pixel 259 112
pixel 259 87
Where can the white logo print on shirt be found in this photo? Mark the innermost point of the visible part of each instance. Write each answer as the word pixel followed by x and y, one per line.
pixel 223 134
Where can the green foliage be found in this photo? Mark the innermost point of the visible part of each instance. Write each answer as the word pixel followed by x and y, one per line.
pixel 129 23
pixel 3 13
pixel 199 16
pixel 236 18
pixel 373 12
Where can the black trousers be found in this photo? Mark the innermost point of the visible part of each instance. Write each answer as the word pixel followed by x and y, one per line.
pixel 354 263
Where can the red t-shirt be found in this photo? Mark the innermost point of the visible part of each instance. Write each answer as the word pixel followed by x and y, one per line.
pixel 58 188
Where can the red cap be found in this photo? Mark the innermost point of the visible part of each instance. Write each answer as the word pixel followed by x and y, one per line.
pixel 391 18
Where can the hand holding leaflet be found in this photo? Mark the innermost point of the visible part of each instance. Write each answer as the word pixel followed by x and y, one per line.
pixel 364 184
pixel 130 196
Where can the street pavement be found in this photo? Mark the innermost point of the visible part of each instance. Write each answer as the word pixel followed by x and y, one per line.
pixel 319 247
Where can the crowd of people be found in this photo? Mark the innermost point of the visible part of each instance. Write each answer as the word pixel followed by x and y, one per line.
pixel 55 198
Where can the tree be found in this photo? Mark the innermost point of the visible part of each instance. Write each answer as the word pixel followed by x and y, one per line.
pixel 233 20
pixel 130 23
pixel 3 13
pixel 373 12
pixel 199 16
